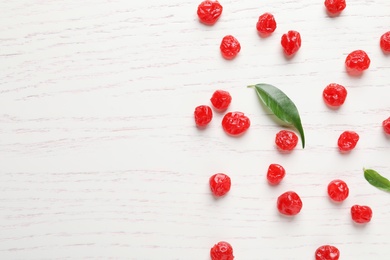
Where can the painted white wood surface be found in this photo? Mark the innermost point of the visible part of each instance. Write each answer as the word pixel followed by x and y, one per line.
pixel 100 158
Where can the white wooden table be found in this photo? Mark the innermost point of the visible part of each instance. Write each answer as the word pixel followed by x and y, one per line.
pixel 100 157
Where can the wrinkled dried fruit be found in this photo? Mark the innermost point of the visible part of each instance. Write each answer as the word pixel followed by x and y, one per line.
pixel 235 123
pixel 275 173
pixel 266 24
pixel 347 140
pixel 286 140
pixel 338 190
pixel 334 94
pixel 230 47
pixel 357 61
pixel 203 115
pixel 327 252
pixel 291 42
pixel 289 203
pixel 386 125
pixel 361 214
pixel 335 6
pixel 385 42
pixel 222 251
pixel 220 184
pixel 209 12
pixel 221 99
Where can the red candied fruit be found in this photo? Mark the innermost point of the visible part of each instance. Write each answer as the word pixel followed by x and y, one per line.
pixel 222 251
pixel 335 6
pixel 220 184
pixel 327 252
pixel 291 42
pixel 334 95
pixel 266 24
pixel 338 190
pixel 347 140
pixel 361 214
pixel 385 42
pixel 203 115
pixel 357 61
pixel 209 12
pixel 275 173
pixel 286 140
pixel 386 125
pixel 289 203
pixel 221 99
pixel 230 47
pixel 235 123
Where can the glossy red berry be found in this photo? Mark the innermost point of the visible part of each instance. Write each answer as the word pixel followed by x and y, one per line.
pixel 334 94
pixel 286 140
pixel 386 125
pixel 335 6
pixel 338 190
pixel 347 140
pixel 291 42
pixel 327 252
pixel 221 100
pixel 289 203
pixel 275 173
pixel 385 42
pixel 220 184
pixel 209 12
pixel 235 123
pixel 357 61
pixel 361 214
pixel 230 47
pixel 203 115
pixel 222 251
pixel 266 24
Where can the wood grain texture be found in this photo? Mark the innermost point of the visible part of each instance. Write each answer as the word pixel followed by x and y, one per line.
pixel 100 158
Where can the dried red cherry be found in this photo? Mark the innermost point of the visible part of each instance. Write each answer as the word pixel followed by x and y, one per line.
pixel 275 173
pixel 286 140
pixel 209 12
pixel 235 123
pixel 203 115
pixel 347 140
pixel 327 252
pixel 335 6
pixel 338 190
pixel 230 47
pixel 220 184
pixel 385 42
pixel 357 61
pixel 289 203
pixel 266 24
pixel 221 99
pixel 334 94
pixel 222 251
pixel 386 125
pixel 291 42
pixel 361 214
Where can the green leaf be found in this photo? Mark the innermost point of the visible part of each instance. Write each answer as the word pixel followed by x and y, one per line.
pixel 376 180
pixel 281 105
